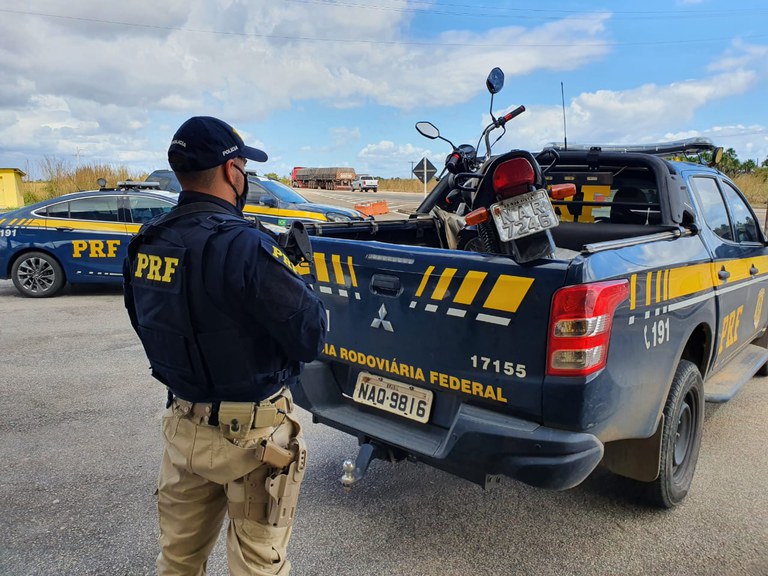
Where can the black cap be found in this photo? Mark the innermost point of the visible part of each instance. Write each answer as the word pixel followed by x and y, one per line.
pixel 204 142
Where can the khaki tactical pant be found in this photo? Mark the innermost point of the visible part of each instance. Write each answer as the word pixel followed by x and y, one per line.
pixel 252 473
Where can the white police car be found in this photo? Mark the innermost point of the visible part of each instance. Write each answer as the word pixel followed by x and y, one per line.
pixel 78 238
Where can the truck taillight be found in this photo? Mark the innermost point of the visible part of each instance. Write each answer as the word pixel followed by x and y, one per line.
pixel 513 177
pixel 580 327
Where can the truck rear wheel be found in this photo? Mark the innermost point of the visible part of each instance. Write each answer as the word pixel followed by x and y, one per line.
pixel 681 437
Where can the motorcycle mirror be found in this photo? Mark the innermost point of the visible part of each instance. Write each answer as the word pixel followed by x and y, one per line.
pixel 495 81
pixel 428 130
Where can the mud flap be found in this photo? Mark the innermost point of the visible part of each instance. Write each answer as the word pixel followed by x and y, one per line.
pixel 638 459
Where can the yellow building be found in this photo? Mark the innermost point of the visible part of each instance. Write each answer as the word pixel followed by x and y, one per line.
pixel 10 188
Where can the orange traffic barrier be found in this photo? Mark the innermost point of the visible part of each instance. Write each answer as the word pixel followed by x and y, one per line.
pixel 373 208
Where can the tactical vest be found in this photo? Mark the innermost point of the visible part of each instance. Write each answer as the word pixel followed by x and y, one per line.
pixel 196 345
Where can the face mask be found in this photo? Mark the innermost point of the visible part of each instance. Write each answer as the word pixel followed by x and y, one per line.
pixel 240 198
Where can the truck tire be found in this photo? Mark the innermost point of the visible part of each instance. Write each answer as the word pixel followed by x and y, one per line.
pixel 681 437
pixel 37 275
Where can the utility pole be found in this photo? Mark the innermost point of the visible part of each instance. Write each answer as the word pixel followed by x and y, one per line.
pixel 412 163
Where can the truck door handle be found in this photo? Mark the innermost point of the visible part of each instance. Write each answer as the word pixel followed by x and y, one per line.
pixel 64 228
pixel 753 270
pixel 723 274
pixel 386 285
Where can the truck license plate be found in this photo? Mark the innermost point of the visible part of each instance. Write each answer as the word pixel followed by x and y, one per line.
pixel 394 397
pixel 524 215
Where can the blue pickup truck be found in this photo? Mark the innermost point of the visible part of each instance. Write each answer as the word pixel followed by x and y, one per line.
pixel 648 298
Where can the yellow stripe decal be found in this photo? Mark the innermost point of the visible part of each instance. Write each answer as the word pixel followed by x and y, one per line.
pixel 659 274
pixel 469 287
pixel 3 220
pixel 337 270
pixel 282 213
pixel 320 266
pixel 443 283
pixel 739 270
pixel 666 285
pixel 648 277
pixel 133 228
pixel 12 221
pixel 508 293
pixel 424 280
pixel 117 227
pixel 352 276
pixel 689 280
pixel 632 291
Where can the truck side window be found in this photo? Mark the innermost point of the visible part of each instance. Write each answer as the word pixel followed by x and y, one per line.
pixel 744 222
pixel 713 206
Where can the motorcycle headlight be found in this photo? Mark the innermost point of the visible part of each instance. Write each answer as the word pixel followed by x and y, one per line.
pixel 336 217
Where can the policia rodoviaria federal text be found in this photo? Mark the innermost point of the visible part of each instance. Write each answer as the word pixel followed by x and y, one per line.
pixel 226 323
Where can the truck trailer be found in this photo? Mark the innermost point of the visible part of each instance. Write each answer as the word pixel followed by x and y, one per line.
pixel 324 178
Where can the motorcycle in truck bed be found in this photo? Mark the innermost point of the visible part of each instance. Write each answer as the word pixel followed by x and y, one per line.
pixel 541 315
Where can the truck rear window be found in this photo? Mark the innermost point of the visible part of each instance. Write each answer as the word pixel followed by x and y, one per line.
pixel 624 196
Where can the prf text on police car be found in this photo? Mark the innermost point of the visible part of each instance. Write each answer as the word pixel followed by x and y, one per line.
pixel 226 323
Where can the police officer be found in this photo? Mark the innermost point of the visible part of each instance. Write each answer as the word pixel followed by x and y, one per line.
pixel 226 322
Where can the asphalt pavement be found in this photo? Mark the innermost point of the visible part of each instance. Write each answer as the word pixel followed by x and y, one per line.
pixel 80 448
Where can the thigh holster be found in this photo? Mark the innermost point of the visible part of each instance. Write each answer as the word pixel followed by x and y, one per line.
pixel 283 488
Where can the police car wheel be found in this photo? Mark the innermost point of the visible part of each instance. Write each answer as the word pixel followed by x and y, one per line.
pixel 681 437
pixel 37 275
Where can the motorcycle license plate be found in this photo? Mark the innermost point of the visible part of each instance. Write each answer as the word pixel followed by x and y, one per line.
pixel 524 215
pixel 394 397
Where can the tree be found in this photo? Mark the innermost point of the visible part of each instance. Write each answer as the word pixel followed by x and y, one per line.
pixel 730 163
pixel 765 163
pixel 748 167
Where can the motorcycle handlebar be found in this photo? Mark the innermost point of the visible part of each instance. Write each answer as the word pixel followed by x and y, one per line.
pixel 452 162
pixel 507 117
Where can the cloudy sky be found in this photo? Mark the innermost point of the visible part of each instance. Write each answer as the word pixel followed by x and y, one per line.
pixel 342 82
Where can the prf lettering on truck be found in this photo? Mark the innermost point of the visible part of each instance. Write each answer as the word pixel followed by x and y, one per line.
pixel 729 334
pixel 95 248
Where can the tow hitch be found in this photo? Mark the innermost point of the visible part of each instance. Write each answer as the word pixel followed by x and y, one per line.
pixel 355 471
pixel 369 451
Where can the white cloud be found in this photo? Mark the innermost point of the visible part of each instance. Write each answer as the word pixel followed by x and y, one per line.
pixel 742 55
pixel 395 158
pixel 246 60
pixel 638 115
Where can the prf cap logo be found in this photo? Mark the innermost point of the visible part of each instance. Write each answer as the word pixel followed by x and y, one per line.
pixel 380 322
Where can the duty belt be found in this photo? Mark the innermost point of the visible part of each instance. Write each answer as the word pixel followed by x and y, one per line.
pixel 237 417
